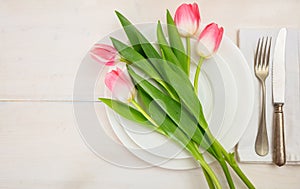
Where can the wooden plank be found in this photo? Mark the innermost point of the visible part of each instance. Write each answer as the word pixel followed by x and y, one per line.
pixel 43 43
pixel 40 147
pixel 41 47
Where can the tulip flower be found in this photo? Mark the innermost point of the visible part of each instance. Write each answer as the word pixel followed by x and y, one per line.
pixel 208 43
pixel 187 19
pixel 209 40
pixel 120 84
pixel 105 54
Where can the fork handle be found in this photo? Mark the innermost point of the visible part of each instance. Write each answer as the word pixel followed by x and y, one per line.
pixel 261 142
pixel 279 142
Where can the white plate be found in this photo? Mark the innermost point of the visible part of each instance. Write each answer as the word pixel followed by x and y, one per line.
pixel 227 74
pixel 230 97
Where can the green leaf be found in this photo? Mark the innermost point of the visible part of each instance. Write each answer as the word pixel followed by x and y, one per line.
pixel 176 42
pixel 135 58
pixel 174 76
pixel 147 47
pixel 166 50
pixel 150 53
pixel 138 61
pixel 166 124
pixel 184 89
pixel 174 110
pixel 131 32
pixel 156 61
pixel 126 111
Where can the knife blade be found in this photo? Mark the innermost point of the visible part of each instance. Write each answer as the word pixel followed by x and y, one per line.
pixel 278 86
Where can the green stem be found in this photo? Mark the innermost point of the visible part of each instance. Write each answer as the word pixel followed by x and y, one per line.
pixel 233 164
pixel 215 151
pixel 192 147
pixel 188 52
pixel 196 79
pixel 198 156
pixel 227 173
pixel 224 166
pixel 209 181
pixel 168 89
pixel 241 174
pixel 125 60
pixel 142 111
pixel 231 161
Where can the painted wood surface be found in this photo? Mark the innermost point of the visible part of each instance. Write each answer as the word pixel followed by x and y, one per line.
pixel 42 44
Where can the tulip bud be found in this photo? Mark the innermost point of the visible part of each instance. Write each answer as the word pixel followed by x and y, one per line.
pixel 105 54
pixel 120 84
pixel 187 19
pixel 209 40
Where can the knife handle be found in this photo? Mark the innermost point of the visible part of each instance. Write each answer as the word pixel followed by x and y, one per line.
pixel 279 142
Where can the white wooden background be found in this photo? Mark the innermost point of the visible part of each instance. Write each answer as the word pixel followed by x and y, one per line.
pixel 41 46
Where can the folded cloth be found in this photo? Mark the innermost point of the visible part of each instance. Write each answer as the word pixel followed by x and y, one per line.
pixel 246 152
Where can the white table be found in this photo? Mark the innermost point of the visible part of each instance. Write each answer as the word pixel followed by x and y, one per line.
pixel 41 46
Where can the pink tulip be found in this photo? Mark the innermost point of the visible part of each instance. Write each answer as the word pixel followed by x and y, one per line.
pixel 187 19
pixel 120 84
pixel 209 40
pixel 105 54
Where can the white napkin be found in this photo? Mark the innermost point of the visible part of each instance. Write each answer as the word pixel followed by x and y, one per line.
pixel 247 42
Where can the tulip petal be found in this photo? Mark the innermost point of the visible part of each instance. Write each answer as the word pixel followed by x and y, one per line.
pixel 96 58
pixel 119 84
pixel 187 19
pixel 104 51
pixel 110 62
pixel 205 48
pixel 104 54
pixel 209 40
pixel 219 38
pixel 111 78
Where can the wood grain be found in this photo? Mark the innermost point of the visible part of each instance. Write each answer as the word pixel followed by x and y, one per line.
pixel 42 44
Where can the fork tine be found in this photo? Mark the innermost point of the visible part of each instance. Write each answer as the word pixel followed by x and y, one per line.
pixel 267 45
pixel 256 58
pixel 264 61
pixel 261 56
pixel 269 50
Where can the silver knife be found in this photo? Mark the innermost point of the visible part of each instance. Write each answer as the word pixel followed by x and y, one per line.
pixel 278 81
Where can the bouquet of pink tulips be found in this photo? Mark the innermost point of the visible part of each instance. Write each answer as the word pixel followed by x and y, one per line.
pixel 158 76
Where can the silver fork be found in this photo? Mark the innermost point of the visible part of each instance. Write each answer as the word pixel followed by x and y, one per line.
pixel 261 68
